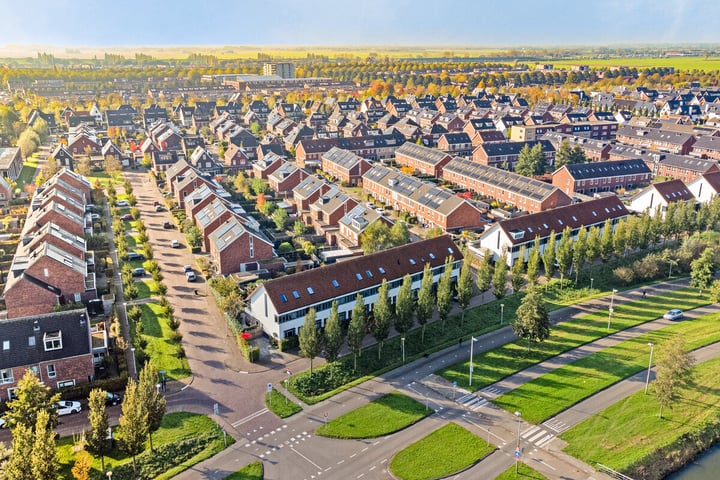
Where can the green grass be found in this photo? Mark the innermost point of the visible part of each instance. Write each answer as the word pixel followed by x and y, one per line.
pixel 162 352
pixel 175 427
pixel 523 472
pixel 145 288
pixel 496 364
pixel 388 414
pixel 447 450
pixel 553 392
pixel 679 63
pixel 131 242
pixel 629 430
pixel 253 471
pixel 280 405
pixel 26 174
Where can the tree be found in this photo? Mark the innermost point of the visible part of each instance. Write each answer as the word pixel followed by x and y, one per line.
pixel 606 241
pixel 702 270
pixel 548 256
pixel 563 154
pixel 298 228
pixel 83 166
pixel 499 278
pixel 20 465
pixel 484 273
pixel 96 438
pixel 112 164
pixel 333 334
pixel 382 314
pixel 533 266
pixel 29 141
pixel 464 288
pixel 673 371
pixel 517 271
pixel 31 398
pixel 357 328
pixel 281 218
pixel 375 238
pixel 44 454
pixel 194 237
pixel 425 302
pixel 531 161
pixel 41 128
pixel 152 399
pixel 404 306
pixel 593 245
pixel 82 466
pixel 133 429
pixel 309 338
pixel 533 322
pixel 258 186
pixel 579 251
pixel 715 292
pixel 308 248
pixel 564 253
pixel 399 234
pixel 445 291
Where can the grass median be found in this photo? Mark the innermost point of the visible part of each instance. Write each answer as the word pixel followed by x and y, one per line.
pixel 164 354
pixel 629 431
pixel 253 471
pixel 523 472
pixel 388 414
pixel 445 451
pixel 494 365
pixel 280 405
pixel 556 391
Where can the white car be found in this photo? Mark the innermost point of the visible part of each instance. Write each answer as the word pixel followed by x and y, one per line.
pixel 674 314
pixel 122 203
pixel 66 408
pixel 174 244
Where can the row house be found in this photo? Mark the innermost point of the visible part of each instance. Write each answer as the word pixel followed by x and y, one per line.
pixel 187 183
pixel 354 224
pixel 595 150
pixel 280 305
pixel 524 193
pixel 374 147
pixel 237 247
pixel 590 178
pixel 487 136
pixel 264 167
pixel 427 161
pixel 153 114
pixel 56 213
pixel 178 169
pixel 326 212
pixel 161 161
pixel 212 215
pixel 202 196
pixel 656 139
pixel 505 155
pixel 236 160
pixel 433 206
pixel 680 167
pixel 10 162
pixel 707 146
pixel 306 193
pixel 345 166
pixel 63 157
pixel 505 239
pixel 656 198
pixel 283 180
pixel 455 143
pixel 705 187
pixel 203 160
pixel 56 346
pixel 84 144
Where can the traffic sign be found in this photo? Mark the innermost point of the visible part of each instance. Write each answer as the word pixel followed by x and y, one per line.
pixel 517 454
pixel 454 383
pixel 269 387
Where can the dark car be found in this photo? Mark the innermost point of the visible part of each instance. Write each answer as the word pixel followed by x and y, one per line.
pixel 112 399
pixel 138 272
pixel 126 217
pixel 168 225
pixel 135 256
pixel 159 208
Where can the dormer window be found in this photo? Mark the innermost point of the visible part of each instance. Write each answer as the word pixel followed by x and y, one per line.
pixel 53 340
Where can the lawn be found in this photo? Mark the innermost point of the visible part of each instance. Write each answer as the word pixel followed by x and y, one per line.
pixel 280 405
pixel 161 350
pixel 523 472
pixel 629 430
pixel 253 471
pixel 26 174
pixel 176 427
pixel 445 451
pixel 679 63
pixel 555 391
pixel 496 364
pixel 388 414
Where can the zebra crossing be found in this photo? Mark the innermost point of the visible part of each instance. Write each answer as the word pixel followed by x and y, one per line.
pixel 556 425
pixel 473 402
pixel 537 435
pixel 493 392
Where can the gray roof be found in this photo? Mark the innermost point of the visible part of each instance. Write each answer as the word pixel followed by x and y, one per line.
pixel 582 171
pixel 7 155
pixel 342 158
pixel 421 153
pixel 513 148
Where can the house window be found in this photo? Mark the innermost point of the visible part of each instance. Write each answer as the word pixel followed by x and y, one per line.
pixel 53 340
pixel 6 345
pixel 335 283
pixel 66 384
pixel 51 373
pixel 310 290
pixel 31 341
pixel 283 298
pixel 77 298
pixel 358 276
pixel 252 247
pixel 6 376
pixel 296 294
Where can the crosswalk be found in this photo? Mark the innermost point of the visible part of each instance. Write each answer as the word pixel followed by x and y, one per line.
pixel 473 402
pixel 537 435
pixel 556 425
pixel 493 392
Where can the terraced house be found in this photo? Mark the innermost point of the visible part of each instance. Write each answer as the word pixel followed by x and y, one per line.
pixel 590 178
pixel 425 160
pixel 347 167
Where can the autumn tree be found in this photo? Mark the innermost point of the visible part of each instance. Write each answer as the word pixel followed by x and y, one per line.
pixel 533 322
pixel 152 400
pixel 96 438
pixel 673 371
pixel 19 466
pixel 333 334
pixel 31 398
pixel 133 431
pixel 404 306
pixel 44 455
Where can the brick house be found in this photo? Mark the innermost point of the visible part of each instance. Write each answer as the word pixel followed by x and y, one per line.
pixel 284 179
pixel 57 214
pixel 267 165
pixel 56 346
pixel 235 247
pixel 425 160
pixel 524 193
pixel 163 160
pixel 347 167
pixel 373 147
pixel 505 155
pixel 63 157
pixel 10 162
pixel 656 139
pixel 176 170
pixel 211 216
pixel 326 212
pixel 595 150
pixel 707 146
pixel 306 193
pixel 236 160
pixel 455 143
pixel 82 144
pixel 589 178
pixel 355 222
pixel 680 167
pixel 187 184
pixel 6 192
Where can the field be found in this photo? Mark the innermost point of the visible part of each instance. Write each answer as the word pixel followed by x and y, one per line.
pixel 679 63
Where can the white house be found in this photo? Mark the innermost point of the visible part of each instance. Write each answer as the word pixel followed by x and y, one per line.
pixel 705 187
pixel 280 305
pixel 659 195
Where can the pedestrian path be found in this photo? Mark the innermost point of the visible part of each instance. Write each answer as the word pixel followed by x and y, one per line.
pixel 537 436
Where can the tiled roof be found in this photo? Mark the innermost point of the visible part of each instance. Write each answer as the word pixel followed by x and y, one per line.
pixel 582 171
pixel 513 148
pixel 420 153
pixel 342 158
pixel 673 191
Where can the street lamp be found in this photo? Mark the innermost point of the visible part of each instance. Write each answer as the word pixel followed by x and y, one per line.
pixel 517 456
pixel 612 301
pixel 591 284
pixel 109 475
pixel 472 367
pixel 402 346
pixel 647 378
pixel 502 311
pixel 132 353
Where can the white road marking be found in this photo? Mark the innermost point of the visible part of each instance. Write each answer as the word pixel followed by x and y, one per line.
pixel 250 417
pixel 307 459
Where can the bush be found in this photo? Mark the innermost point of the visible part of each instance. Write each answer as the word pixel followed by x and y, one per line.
pixel 647 268
pixel 175 336
pixel 624 275
pixel 287 344
pixel 82 391
pixel 173 323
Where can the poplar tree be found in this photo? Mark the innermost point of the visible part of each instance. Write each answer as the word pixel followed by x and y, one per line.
pixel 309 338
pixel 425 301
pixel 333 334
pixel 382 313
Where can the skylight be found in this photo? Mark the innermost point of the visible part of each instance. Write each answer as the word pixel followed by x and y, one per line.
pixel 431 255
pixel 283 298
pixel 412 261
pixel 296 294
pixel 368 273
pixel 358 276
pixel 335 283
pixel 310 291
pixel 381 270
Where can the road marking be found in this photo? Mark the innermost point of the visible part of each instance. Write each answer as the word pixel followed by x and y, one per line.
pixel 353 455
pixel 546 464
pixel 307 459
pixel 373 468
pixel 364 449
pixel 250 417
pixel 341 462
pixel 384 460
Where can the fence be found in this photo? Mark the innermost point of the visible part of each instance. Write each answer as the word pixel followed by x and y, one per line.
pixel 602 468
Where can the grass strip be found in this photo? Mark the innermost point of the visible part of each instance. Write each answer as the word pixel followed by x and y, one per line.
pixel 253 471
pixel 444 452
pixel 280 405
pixel 523 472
pixel 494 365
pixel 162 352
pixel 388 414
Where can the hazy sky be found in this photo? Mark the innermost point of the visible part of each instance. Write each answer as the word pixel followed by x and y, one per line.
pixel 356 22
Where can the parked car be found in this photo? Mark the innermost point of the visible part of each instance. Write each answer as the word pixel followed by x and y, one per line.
pixel 66 407
pixel 138 272
pixel 135 256
pixel 190 276
pixel 156 203
pixel 187 268
pixel 174 243
pixel 122 203
pixel 159 208
pixel 95 216
pixel 127 217
pixel 112 398
pixel 674 314
pixel 3 422
pixel 168 225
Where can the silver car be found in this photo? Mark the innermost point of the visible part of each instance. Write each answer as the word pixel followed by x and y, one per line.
pixel 65 407
pixel 674 314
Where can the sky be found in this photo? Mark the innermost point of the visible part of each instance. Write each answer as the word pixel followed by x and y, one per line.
pixel 476 23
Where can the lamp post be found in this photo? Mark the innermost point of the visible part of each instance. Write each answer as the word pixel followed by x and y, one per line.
pixel 109 475
pixel 591 284
pixel 472 367
pixel 502 311
pixel 132 353
pixel 647 378
pixel 402 347
pixel 612 301
pixel 517 449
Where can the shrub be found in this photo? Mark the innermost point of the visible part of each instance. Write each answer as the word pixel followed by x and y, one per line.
pixel 175 336
pixel 624 275
pixel 173 323
pixel 647 268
